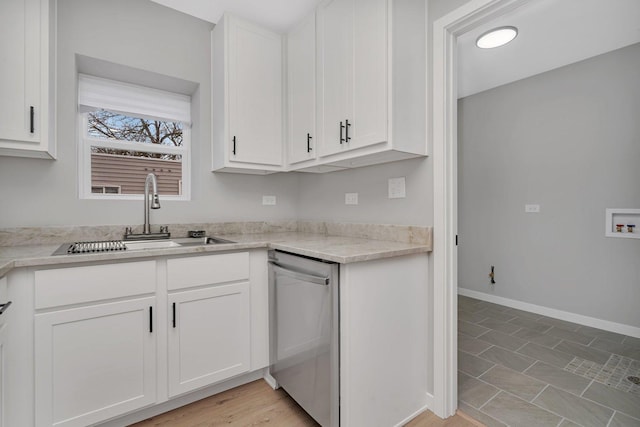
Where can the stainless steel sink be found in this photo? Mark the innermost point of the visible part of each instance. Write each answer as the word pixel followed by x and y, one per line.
pixel 136 245
pixel 191 241
pixel 153 244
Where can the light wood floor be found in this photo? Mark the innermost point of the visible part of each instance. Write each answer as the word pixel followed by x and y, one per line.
pixel 256 404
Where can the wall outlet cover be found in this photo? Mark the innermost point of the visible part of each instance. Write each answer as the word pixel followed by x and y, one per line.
pixel 397 189
pixel 532 208
pixel 350 198
pixel 269 200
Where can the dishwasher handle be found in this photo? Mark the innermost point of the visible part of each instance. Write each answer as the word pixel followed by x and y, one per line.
pixel 296 274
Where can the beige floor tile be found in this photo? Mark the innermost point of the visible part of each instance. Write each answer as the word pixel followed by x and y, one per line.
pixel 574 408
pixel 472 365
pixel 503 340
pixel 546 354
pixel 622 420
pixel 537 337
pixel 504 327
pixel 480 416
pixel 471 329
pixel 583 352
pixel 568 335
pixel 625 402
pixel 514 382
pixel 473 391
pixel 516 412
pixel 530 324
pixel 558 377
pixel 472 345
pixel 507 358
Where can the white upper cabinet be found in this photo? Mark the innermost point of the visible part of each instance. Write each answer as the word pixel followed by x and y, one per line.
pixel 371 80
pixel 352 74
pixel 301 78
pixel 247 75
pixel 26 82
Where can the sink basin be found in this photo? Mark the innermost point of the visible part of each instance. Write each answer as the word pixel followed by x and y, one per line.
pixel 190 241
pixel 157 244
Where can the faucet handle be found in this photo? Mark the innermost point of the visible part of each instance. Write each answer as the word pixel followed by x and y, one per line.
pixel 164 228
pixel 127 231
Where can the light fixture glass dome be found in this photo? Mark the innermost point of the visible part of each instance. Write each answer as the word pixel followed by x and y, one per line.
pixel 496 37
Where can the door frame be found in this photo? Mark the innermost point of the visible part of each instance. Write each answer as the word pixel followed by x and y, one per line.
pixel 446 30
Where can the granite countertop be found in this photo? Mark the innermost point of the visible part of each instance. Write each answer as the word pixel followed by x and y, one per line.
pixel 332 248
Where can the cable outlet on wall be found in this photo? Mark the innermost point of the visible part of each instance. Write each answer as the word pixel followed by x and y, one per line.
pixel 350 198
pixel 269 200
pixel 397 188
pixel 532 208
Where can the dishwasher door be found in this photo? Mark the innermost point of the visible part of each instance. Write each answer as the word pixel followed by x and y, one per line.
pixel 304 333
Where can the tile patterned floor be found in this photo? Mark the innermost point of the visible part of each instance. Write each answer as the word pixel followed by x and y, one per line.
pixel 522 369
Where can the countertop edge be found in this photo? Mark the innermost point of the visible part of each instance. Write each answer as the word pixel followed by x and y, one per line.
pixel 8 263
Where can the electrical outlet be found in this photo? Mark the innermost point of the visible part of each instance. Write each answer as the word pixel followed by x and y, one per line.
pixel 532 208
pixel 397 188
pixel 269 200
pixel 350 198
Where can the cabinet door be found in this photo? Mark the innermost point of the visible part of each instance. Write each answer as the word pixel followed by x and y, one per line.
pixel 20 81
pixel 95 362
pixel 255 94
pixel 368 116
pixel 353 73
pixel 209 336
pixel 301 71
pixel 335 58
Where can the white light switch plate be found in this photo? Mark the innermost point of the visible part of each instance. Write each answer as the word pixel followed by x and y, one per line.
pixel 397 188
pixel 269 200
pixel 532 208
pixel 350 198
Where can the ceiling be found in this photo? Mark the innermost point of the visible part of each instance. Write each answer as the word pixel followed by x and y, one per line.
pixel 552 33
pixel 278 15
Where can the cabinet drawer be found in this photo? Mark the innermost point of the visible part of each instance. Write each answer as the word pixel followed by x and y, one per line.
pixel 207 270
pixel 76 285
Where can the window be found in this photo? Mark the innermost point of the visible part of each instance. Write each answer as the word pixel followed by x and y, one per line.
pixel 128 131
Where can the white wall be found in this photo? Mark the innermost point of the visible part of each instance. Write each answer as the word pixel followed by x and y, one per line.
pixel 147 36
pixel 569 140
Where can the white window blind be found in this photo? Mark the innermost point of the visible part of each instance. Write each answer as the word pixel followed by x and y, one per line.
pixel 96 93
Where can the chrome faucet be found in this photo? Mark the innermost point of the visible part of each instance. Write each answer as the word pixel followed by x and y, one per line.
pixel 151 179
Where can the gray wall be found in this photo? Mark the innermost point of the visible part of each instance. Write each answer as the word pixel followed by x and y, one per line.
pixel 569 140
pixel 147 36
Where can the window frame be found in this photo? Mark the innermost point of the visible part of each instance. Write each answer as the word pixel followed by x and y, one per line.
pixel 85 142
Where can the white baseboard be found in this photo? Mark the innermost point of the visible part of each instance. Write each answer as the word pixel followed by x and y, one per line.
pixel 271 381
pixel 418 412
pixel 619 328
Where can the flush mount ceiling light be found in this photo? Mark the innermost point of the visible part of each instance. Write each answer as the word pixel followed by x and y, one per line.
pixel 496 37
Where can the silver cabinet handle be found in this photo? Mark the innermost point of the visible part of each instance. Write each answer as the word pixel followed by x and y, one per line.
pixel 287 271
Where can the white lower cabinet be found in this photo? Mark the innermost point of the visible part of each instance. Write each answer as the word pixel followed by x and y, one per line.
pixel 94 362
pixel 112 338
pixel 209 336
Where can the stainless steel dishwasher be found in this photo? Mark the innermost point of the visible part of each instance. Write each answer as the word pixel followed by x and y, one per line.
pixel 304 333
